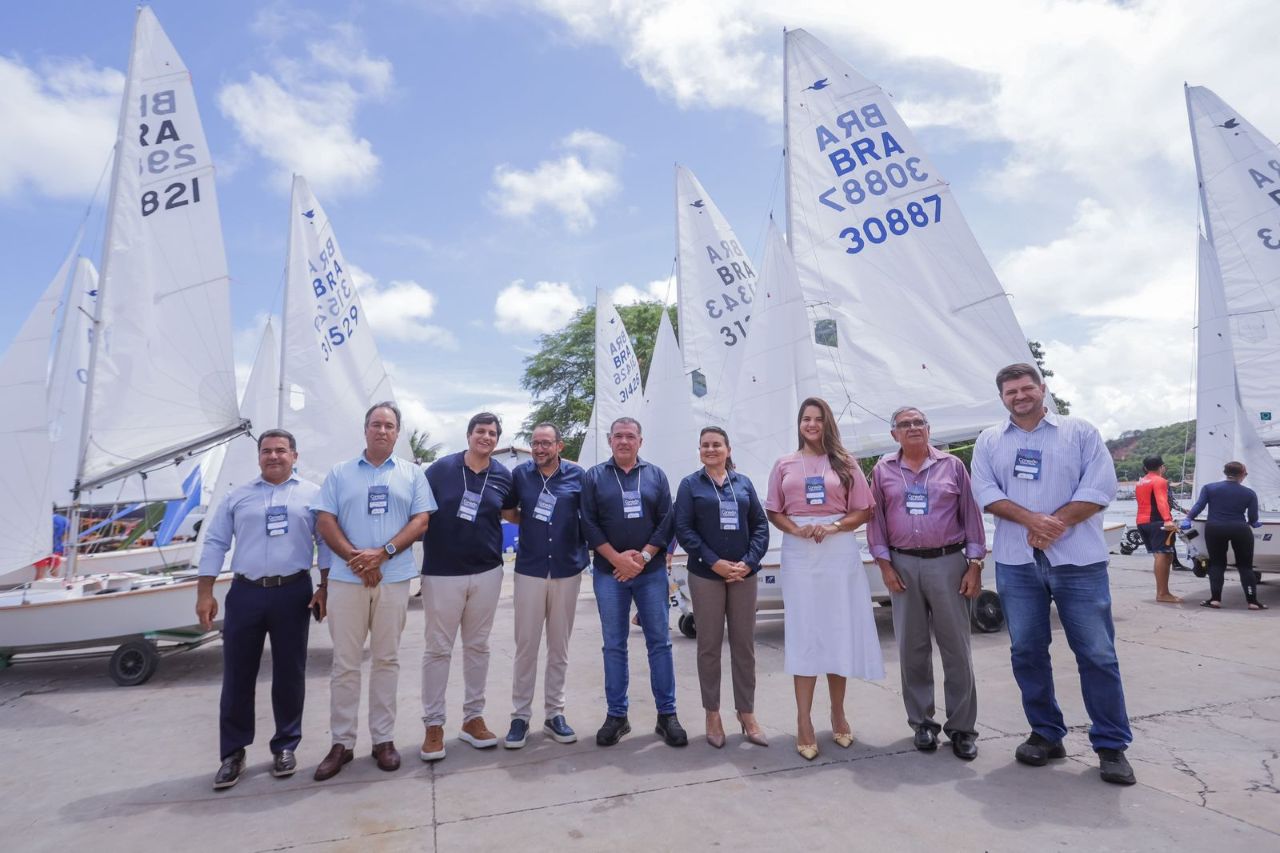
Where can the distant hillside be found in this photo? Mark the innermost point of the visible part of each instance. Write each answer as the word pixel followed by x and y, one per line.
pixel 1133 446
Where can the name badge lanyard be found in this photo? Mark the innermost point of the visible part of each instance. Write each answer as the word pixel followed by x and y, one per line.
pixel 470 504
pixel 276 515
pixel 815 487
pixel 631 501
pixel 379 501
pixel 915 496
pixel 728 512
pixel 1028 462
pixel 546 500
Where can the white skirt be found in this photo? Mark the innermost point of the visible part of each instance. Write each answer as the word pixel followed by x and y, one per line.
pixel 829 623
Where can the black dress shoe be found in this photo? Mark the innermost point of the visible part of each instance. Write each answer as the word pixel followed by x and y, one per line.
pixel 229 772
pixel 925 740
pixel 612 731
pixel 1036 751
pixel 671 730
pixel 964 745
pixel 284 764
pixel 1115 767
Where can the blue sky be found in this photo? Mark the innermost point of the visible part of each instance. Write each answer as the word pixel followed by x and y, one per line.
pixel 487 165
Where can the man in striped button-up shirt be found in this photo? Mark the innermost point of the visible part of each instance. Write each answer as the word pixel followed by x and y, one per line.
pixel 1046 478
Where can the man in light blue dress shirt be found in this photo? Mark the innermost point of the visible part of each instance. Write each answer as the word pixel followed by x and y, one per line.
pixel 1046 478
pixel 271 522
pixel 370 511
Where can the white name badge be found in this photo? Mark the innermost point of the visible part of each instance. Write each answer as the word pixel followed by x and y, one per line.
pixel 469 506
pixel 917 500
pixel 631 506
pixel 546 506
pixel 728 515
pixel 815 490
pixel 379 497
pixel 277 520
pixel 1026 465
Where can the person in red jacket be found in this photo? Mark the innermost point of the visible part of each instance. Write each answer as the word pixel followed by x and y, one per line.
pixel 1155 523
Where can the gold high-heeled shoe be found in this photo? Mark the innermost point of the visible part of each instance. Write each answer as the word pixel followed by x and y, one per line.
pixel 757 737
pixel 808 751
pixel 843 739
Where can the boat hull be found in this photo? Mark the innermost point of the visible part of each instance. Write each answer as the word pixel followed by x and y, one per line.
pixel 1266 546
pixel 143 560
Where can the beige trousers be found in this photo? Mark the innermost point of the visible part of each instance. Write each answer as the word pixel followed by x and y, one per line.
pixel 715 603
pixel 465 602
pixel 539 601
pixel 356 612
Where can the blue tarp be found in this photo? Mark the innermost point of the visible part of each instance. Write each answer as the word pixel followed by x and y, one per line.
pixel 176 511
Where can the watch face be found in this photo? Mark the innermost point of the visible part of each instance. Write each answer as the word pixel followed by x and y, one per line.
pixel 390 549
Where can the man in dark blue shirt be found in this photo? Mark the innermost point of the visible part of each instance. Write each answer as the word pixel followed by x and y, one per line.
pixel 550 558
pixel 627 518
pixel 462 578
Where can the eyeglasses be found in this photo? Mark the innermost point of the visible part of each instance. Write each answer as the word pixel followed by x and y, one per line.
pixel 916 424
pixel 542 444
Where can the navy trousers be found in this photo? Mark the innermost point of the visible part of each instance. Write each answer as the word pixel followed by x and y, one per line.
pixel 254 613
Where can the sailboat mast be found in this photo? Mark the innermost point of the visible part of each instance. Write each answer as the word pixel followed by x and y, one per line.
pixel 1195 151
pixel 786 134
pixel 95 342
pixel 284 309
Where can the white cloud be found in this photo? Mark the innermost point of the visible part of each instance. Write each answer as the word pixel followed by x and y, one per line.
pixel 59 125
pixel 544 307
pixel 301 115
pixel 659 290
pixel 400 310
pixel 572 186
pixel 442 402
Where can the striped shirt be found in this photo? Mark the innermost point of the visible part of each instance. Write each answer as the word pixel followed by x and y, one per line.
pixel 1074 466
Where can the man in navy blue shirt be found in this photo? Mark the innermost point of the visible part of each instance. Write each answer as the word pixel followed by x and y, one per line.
pixel 627 518
pixel 462 578
pixel 550 558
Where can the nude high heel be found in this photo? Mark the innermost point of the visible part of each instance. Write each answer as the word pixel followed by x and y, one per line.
pixel 757 736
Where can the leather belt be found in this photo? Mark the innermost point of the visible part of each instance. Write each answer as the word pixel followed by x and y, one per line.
pixel 274 580
pixel 930 553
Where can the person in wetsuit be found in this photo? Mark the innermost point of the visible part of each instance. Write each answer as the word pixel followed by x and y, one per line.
pixel 1233 511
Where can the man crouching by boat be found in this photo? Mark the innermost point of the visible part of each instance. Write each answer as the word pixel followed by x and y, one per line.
pixel 274 530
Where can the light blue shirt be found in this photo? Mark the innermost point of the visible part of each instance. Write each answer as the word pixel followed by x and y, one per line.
pixel 345 494
pixel 242 516
pixel 1075 466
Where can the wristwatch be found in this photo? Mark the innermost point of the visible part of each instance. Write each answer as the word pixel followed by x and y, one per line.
pixel 646 556
pixel 390 548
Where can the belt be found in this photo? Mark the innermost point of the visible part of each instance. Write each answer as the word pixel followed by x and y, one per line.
pixel 930 553
pixel 274 580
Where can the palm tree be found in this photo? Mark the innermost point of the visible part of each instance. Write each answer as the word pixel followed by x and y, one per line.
pixel 423 452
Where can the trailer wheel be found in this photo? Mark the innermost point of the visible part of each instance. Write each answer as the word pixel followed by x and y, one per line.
pixel 987 614
pixel 133 663
pixel 686 626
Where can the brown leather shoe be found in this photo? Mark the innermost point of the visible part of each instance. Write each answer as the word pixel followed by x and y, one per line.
pixel 433 745
pixel 385 754
pixel 476 733
pixel 338 756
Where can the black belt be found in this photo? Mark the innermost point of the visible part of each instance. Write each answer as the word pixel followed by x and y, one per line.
pixel 930 553
pixel 274 580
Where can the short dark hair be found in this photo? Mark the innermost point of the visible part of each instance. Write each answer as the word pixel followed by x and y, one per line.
pixel 1234 470
pixel 278 433
pixel 385 404
pixel 484 418
pixel 1152 463
pixel 546 425
pixel 626 420
pixel 1017 371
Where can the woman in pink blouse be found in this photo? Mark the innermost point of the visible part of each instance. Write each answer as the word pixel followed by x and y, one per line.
pixel 818 497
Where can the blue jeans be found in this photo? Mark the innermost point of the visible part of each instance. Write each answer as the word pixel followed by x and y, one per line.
pixel 1083 596
pixel 613 598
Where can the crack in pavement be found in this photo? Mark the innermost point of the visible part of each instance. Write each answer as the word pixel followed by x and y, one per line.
pixel 1250 662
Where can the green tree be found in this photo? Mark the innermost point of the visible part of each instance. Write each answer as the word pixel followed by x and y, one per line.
pixel 561 374
pixel 1037 352
pixel 422 448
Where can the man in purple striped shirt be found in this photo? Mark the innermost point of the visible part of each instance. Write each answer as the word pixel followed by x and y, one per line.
pixel 1046 478
pixel 926 534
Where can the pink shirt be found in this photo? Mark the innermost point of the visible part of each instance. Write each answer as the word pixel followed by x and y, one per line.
pixel 787 494
pixel 953 516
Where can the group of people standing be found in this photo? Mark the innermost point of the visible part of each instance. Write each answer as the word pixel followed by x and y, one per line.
pixel 1045 477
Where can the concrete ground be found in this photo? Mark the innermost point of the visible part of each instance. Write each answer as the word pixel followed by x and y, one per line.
pixel 89 763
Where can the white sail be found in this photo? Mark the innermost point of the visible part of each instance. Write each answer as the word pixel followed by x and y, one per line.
pixel 330 370
pixel 1239 172
pixel 778 369
pixel 595 447
pixel 618 391
pixel 885 256
pixel 26 454
pixel 1224 432
pixel 163 375
pixel 716 285
pixel 668 419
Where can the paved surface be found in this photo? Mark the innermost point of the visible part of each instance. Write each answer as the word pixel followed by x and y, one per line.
pixel 89 763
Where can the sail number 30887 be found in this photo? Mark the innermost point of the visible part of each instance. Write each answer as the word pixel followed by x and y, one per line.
pixel 875 230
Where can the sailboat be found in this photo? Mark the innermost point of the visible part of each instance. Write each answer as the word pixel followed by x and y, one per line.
pixel 161 383
pixel 1238 334
pixel 617 381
